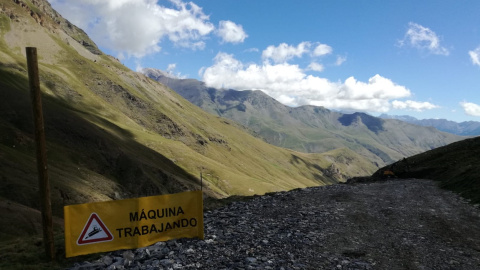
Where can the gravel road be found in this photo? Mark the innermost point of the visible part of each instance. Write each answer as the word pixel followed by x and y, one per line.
pixel 395 224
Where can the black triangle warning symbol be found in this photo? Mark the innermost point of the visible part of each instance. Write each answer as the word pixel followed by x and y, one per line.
pixel 94 231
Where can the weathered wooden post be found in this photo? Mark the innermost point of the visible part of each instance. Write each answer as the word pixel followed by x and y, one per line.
pixel 45 203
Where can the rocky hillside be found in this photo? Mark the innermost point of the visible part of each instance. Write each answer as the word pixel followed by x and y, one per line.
pixel 308 128
pixel 113 133
pixel 455 166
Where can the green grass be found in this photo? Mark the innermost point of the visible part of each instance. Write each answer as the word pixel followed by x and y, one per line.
pixel 454 166
pixel 28 252
pixel 112 133
pixel 33 7
pixel 4 24
pixel 313 129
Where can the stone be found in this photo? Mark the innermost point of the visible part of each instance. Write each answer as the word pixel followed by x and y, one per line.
pixel 374 225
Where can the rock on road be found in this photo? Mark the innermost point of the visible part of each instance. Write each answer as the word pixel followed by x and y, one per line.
pixel 395 224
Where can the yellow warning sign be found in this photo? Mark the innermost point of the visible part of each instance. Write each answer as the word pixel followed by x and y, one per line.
pixel 132 223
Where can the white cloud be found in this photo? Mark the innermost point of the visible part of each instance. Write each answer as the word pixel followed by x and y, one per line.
pixel 471 108
pixel 475 56
pixel 322 49
pixel 340 60
pixel 138 66
pixel 285 52
pixel 290 85
pixel 231 32
pixel 252 50
pixel 377 87
pixel 136 27
pixel 413 105
pixel 423 38
pixel 171 71
pixel 171 67
pixel 315 67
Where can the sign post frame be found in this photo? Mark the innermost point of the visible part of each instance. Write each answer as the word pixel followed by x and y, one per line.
pixel 44 183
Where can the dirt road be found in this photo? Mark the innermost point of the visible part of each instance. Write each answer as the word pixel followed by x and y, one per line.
pixel 397 224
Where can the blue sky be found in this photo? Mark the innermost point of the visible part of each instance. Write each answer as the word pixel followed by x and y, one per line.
pixel 418 58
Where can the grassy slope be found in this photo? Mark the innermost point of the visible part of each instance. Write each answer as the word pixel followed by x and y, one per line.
pixel 455 166
pixel 113 133
pixel 309 128
pixel 297 130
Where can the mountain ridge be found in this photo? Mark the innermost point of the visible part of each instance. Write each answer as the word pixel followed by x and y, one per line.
pixel 309 128
pixel 465 128
pixel 113 133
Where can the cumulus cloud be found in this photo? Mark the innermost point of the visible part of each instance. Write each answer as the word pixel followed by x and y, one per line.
pixel 289 84
pixel 171 71
pixel 285 52
pixel 322 49
pixel 138 66
pixel 252 50
pixel 171 67
pixel 231 32
pixel 423 38
pixel 136 27
pixel 340 60
pixel 413 105
pixel 471 108
pixel 315 67
pixel 475 56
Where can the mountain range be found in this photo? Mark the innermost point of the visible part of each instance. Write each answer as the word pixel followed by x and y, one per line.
pixel 113 133
pixel 310 129
pixel 467 128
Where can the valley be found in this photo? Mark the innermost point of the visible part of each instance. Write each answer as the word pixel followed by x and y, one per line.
pixel 310 129
pixel 114 133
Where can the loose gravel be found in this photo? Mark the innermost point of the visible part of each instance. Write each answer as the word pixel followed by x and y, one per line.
pixel 395 224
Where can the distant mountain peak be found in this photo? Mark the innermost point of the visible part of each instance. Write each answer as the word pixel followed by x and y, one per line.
pixel 157 73
pixel 118 135
pixel 374 124
pixel 311 129
pixel 405 118
pixel 468 128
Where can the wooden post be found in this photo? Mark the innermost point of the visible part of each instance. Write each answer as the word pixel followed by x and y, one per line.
pixel 45 203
